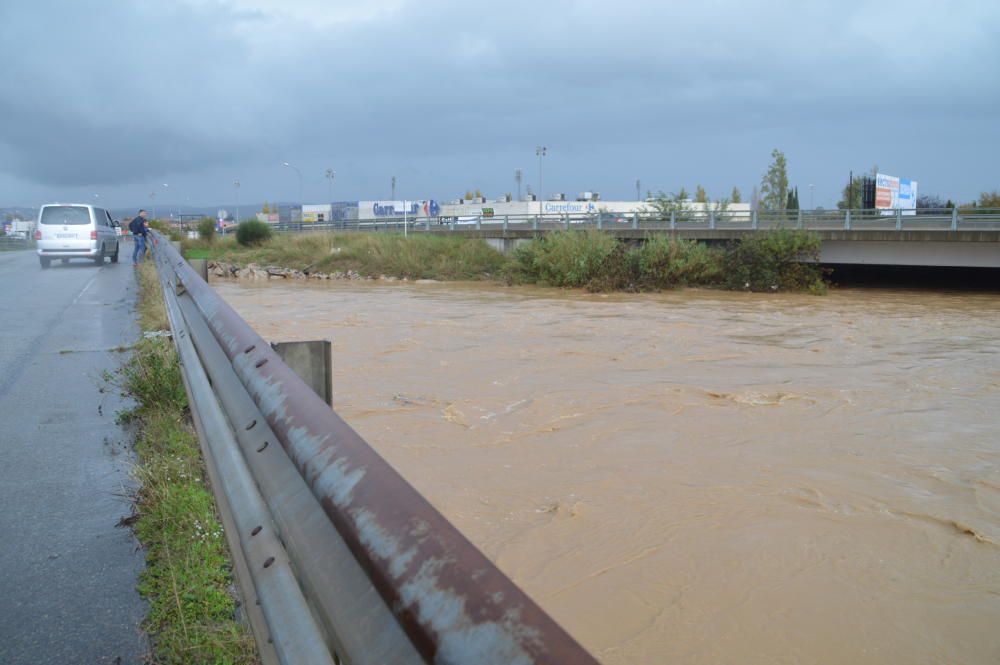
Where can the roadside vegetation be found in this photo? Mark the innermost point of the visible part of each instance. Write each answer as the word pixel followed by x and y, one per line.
pixel 188 577
pixel 781 260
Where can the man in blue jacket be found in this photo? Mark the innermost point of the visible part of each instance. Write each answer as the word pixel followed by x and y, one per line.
pixel 139 228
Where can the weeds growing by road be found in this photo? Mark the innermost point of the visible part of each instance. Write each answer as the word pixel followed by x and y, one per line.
pixel 187 580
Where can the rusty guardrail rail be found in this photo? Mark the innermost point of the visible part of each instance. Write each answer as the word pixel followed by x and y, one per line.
pixel 387 577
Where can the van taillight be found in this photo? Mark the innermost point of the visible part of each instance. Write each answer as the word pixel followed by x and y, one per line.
pixel 38 235
pixel 93 235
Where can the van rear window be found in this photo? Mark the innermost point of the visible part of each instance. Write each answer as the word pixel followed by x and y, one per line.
pixel 68 215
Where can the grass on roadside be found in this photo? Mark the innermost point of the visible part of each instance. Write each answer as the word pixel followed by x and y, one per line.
pixel 188 575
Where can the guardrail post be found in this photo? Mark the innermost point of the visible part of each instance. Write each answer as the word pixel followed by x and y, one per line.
pixel 479 222
pixel 798 218
pixel 753 220
pixel 534 223
pixel 954 219
pixel 635 220
pixel 899 219
pixel 506 220
pixel 200 266
pixel 600 222
pixel 711 219
pixel 673 220
pixel 566 221
pixel 847 219
pixel 312 361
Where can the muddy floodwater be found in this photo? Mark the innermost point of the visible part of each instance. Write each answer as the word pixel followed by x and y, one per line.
pixel 699 476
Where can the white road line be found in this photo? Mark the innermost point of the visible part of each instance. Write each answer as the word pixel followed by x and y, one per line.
pixel 89 284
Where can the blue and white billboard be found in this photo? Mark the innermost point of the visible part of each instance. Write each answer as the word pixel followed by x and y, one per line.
pixel 892 193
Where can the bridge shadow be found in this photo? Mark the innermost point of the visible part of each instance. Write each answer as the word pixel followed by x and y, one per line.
pixel 983 280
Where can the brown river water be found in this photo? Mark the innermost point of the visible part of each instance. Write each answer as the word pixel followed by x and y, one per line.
pixel 697 476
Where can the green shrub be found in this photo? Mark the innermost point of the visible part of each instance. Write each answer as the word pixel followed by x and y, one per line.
pixel 253 232
pixel 563 258
pixel 782 260
pixel 206 229
pixel 665 263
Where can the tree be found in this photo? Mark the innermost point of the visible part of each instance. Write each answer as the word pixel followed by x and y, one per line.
pixel 792 203
pixel 700 195
pixel 265 208
pixel 930 201
pixel 667 204
pixel 774 185
pixel 990 199
pixel 853 196
pixel 736 196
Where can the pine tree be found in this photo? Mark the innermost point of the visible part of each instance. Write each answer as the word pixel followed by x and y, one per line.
pixel 736 196
pixel 700 195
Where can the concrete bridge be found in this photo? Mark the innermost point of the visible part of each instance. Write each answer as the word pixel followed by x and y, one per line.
pixel 947 237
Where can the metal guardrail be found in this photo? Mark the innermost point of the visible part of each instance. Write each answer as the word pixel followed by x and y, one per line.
pixel 15 242
pixel 946 219
pixel 385 577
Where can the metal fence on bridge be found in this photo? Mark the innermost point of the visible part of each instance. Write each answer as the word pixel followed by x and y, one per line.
pixel 948 219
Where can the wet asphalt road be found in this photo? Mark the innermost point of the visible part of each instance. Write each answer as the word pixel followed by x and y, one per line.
pixel 67 573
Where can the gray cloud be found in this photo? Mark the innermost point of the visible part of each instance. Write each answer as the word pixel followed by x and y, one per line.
pixel 119 95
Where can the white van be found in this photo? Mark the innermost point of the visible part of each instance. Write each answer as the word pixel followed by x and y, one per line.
pixel 75 231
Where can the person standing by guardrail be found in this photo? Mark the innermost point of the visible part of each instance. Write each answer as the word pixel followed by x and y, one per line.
pixel 139 227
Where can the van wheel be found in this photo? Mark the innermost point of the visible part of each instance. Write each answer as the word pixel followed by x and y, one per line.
pixel 114 257
pixel 99 260
pixel 45 261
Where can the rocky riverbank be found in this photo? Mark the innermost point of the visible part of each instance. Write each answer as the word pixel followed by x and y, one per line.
pixel 254 271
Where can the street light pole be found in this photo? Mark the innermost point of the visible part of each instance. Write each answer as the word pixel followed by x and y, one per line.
pixel 518 175
pixel 330 175
pixel 393 197
pixel 638 190
pixel 811 207
pixel 236 183
pixel 152 203
pixel 540 151
pixel 299 173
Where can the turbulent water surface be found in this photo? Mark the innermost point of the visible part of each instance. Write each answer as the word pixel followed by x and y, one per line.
pixel 693 477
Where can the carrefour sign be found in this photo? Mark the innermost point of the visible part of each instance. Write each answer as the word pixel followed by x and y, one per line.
pixel 569 207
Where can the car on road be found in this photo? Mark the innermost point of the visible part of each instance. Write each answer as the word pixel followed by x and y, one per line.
pixel 75 231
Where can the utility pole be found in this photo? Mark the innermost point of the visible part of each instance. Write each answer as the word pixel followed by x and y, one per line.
pixel 540 151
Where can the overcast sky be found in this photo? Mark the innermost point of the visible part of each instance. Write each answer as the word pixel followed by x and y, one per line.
pixel 118 97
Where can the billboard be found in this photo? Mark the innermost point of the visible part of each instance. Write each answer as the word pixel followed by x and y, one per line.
pixel 892 193
pixel 382 209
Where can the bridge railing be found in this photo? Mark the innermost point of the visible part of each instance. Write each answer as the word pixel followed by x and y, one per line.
pixel 348 563
pixel 946 219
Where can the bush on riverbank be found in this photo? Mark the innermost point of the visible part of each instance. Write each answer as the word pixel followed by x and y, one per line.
pixel 188 574
pixel 253 232
pixel 782 260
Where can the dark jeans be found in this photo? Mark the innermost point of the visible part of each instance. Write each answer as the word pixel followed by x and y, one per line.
pixel 140 248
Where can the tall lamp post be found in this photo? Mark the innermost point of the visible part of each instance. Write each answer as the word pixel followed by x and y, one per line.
pixel 298 173
pixel 518 176
pixel 152 203
pixel 236 184
pixel 811 207
pixel 638 190
pixel 393 196
pixel 540 151
pixel 330 175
